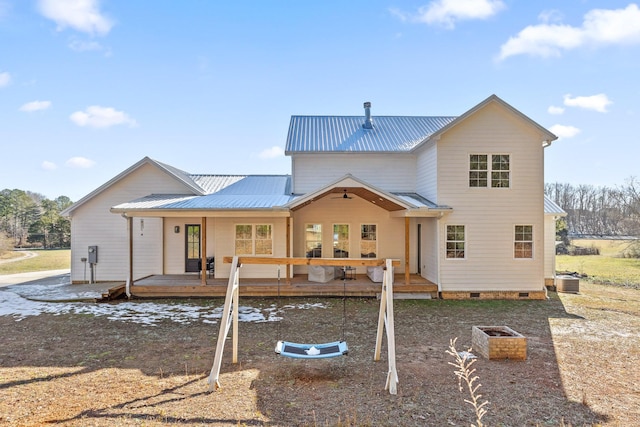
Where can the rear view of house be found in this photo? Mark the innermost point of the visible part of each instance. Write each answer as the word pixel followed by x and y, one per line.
pixel 458 200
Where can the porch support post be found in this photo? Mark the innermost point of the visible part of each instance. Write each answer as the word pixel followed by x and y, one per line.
pixel 203 253
pixel 130 230
pixel 407 274
pixel 288 267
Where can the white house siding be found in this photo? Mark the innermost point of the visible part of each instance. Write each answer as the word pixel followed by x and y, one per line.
pixel 93 224
pixel 224 245
pixel 427 172
pixel 175 245
pixel 395 172
pixel 355 212
pixel 429 249
pixel 550 247
pixel 490 214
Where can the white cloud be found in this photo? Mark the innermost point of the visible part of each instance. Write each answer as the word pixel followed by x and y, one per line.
pixel 48 166
pixel 79 163
pixel 101 117
pixel 5 78
pixel 81 15
pixel 35 106
pixel 555 110
pixel 271 153
pixel 598 102
pixel 447 12
pixel 563 131
pixel 599 27
pixel 84 46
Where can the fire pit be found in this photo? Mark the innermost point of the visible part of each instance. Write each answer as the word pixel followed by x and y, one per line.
pixel 499 342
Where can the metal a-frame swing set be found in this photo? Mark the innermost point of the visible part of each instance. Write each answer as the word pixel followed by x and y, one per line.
pixel 305 351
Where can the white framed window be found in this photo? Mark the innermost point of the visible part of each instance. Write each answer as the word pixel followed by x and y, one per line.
pixel 455 242
pixel 341 240
pixel 500 171
pixel 254 239
pixel 523 242
pixel 490 169
pixel 368 240
pixel 478 170
pixel 313 240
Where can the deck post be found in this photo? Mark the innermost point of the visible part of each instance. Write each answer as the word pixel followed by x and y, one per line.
pixel 130 230
pixel 407 250
pixel 203 253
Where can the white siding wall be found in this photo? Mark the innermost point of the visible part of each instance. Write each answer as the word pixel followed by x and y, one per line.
pixel 390 172
pixel 225 246
pixel 328 211
pixel 550 246
pixel 429 249
pixel 175 244
pixel 489 214
pixel 93 224
pixel 427 172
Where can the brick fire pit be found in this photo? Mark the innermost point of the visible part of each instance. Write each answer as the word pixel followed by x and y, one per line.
pixel 499 342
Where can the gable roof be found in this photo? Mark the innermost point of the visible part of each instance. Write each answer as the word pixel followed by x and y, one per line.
pixel 389 134
pixel 242 192
pixel 317 134
pixel 547 136
pixel 177 174
pixel 391 202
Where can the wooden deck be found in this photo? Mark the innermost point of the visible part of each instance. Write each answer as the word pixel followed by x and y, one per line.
pixel 189 285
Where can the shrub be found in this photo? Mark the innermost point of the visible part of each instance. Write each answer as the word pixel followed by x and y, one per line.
pixel 6 243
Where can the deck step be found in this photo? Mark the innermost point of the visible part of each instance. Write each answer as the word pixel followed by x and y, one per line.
pixel 114 293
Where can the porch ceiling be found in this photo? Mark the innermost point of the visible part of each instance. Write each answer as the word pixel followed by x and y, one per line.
pixel 361 192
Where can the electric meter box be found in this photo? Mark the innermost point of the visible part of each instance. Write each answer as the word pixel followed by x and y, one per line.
pixel 93 254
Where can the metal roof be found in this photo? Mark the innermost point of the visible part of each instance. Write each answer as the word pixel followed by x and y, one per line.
pixel 213 183
pixel 551 208
pixel 233 192
pixel 418 201
pixel 346 134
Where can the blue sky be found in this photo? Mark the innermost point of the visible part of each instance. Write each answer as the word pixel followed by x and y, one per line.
pixel 88 88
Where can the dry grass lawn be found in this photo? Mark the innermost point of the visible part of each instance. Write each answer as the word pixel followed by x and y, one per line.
pixel 80 370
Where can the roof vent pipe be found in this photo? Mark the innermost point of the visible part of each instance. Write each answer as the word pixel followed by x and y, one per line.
pixel 368 124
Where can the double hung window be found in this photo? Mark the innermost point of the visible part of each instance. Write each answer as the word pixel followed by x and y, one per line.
pixel 490 169
pixel 254 239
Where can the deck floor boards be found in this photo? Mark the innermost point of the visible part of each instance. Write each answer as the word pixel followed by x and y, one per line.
pixel 189 285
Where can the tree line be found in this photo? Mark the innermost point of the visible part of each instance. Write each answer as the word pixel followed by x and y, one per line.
pixel 30 220
pixel 604 211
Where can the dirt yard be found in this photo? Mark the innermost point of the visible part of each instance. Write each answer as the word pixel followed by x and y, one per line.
pixel 85 370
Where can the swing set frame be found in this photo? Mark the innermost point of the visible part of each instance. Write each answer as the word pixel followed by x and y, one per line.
pixel 230 312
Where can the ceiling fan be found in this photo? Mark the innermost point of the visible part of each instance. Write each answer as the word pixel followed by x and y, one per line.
pixel 344 195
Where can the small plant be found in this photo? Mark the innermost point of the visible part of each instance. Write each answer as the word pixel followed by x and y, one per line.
pixel 465 374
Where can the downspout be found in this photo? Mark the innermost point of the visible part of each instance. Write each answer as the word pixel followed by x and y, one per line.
pixel 438 260
pixel 130 233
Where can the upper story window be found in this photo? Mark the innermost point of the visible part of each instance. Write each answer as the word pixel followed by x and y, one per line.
pixel 455 241
pixel 254 239
pixel 489 169
pixel 523 241
pixel 313 240
pixel 368 240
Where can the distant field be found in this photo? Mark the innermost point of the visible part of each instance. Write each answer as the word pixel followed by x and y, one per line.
pixel 44 260
pixel 606 268
pixel 607 247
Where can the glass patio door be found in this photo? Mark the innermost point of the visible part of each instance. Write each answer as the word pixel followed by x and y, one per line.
pixel 192 247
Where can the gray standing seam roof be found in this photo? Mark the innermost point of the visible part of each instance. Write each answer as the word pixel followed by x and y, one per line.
pixel 345 133
pixel 231 192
